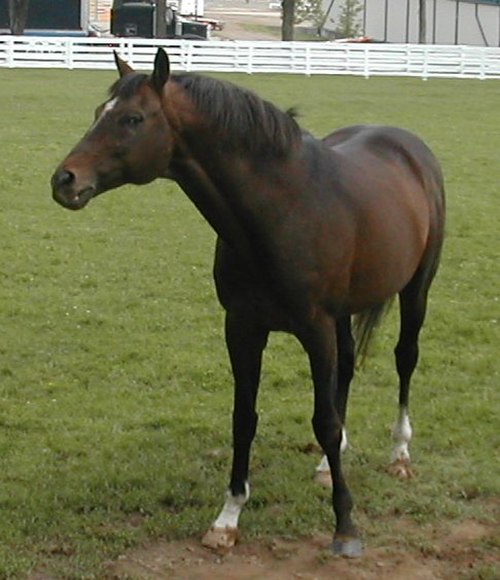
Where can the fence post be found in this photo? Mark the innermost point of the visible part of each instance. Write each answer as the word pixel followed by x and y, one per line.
pixel 10 52
pixel 189 59
pixel 425 62
pixel 482 72
pixel 69 53
pixel 366 62
pixel 250 59
pixel 130 53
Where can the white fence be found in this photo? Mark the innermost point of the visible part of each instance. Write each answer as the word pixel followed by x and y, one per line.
pixel 308 58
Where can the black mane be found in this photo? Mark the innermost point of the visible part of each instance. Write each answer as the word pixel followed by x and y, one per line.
pixel 241 119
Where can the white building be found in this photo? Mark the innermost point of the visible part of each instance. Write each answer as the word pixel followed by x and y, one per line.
pixel 474 22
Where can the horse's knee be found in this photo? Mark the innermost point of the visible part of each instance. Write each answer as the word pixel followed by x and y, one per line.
pixel 327 433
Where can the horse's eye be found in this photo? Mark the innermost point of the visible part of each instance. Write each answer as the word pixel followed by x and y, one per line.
pixel 133 120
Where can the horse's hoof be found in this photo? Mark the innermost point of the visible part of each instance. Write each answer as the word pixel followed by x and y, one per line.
pixel 324 478
pixel 401 469
pixel 347 547
pixel 220 539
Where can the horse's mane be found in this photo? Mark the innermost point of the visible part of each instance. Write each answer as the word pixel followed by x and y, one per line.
pixel 241 118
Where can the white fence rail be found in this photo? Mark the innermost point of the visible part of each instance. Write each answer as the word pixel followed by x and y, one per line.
pixel 307 58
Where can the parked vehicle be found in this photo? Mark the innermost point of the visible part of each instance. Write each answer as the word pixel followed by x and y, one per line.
pixel 139 19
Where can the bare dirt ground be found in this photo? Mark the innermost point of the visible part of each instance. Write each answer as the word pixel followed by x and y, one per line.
pixel 450 552
pixel 244 21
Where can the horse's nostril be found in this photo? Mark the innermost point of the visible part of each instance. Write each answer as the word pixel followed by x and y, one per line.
pixel 63 177
pixel 66 177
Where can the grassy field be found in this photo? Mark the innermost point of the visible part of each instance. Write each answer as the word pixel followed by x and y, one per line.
pixel 115 394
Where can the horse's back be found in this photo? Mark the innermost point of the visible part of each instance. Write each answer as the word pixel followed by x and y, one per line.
pixel 389 145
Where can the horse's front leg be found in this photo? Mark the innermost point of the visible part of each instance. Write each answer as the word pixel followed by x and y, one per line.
pixel 321 345
pixel 245 342
pixel 345 358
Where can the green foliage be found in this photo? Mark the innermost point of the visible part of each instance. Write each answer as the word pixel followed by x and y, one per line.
pixel 310 10
pixel 115 393
pixel 349 25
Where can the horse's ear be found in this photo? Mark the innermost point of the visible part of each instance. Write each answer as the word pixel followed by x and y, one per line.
pixel 161 71
pixel 122 66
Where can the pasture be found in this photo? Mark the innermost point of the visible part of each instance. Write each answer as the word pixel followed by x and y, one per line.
pixel 115 391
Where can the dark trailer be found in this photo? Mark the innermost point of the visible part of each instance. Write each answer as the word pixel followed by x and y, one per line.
pixel 139 19
pixel 60 17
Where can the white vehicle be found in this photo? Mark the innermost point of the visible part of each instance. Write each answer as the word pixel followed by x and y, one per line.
pixel 188 7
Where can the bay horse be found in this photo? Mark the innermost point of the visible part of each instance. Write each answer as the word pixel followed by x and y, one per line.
pixel 313 235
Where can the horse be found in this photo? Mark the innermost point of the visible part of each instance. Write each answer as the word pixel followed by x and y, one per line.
pixel 314 238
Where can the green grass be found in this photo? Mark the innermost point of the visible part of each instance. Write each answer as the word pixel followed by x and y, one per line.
pixel 264 28
pixel 115 394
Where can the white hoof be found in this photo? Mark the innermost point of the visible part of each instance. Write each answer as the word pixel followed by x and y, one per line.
pixel 324 478
pixel 220 539
pixel 401 469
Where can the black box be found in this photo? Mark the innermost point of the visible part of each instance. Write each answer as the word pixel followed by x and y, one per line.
pixel 133 19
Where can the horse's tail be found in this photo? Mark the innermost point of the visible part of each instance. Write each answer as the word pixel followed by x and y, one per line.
pixel 365 324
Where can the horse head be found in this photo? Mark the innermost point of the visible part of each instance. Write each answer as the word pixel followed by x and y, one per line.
pixel 130 140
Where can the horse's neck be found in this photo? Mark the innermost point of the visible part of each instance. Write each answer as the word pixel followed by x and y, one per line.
pixel 200 187
pixel 228 188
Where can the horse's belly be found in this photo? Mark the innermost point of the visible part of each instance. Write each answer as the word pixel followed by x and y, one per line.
pixel 384 269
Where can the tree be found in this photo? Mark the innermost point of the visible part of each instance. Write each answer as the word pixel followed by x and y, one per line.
pixel 348 21
pixel 288 17
pixel 310 10
pixel 421 21
pixel 161 18
pixel 296 11
pixel 18 14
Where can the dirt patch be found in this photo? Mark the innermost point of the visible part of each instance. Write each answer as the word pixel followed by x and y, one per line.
pixel 467 550
pixel 244 21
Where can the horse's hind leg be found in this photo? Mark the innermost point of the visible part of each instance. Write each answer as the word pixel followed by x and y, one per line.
pixel 245 342
pixel 345 347
pixel 413 305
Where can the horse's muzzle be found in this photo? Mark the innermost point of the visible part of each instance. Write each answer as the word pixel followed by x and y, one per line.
pixel 66 192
